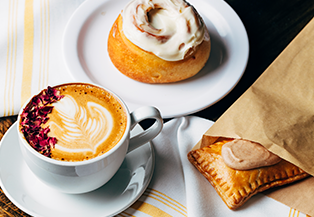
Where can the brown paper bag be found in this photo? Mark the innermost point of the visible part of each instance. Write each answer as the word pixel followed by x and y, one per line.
pixel 278 112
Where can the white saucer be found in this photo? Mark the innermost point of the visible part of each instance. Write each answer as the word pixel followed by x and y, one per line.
pixel 86 57
pixel 35 198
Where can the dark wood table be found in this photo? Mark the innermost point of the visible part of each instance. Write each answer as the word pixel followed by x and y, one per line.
pixel 271 25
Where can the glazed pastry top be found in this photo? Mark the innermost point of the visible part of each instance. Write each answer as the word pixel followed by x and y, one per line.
pixel 171 29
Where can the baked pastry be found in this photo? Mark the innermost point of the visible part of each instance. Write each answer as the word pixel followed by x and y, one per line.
pixel 159 41
pixel 234 186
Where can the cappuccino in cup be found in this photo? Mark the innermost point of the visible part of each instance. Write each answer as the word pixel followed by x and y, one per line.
pixel 86 122
pixel 75 136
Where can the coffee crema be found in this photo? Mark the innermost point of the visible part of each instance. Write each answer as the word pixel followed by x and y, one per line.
pixel 87 122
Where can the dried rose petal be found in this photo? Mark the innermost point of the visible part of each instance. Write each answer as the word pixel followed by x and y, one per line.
pixel 34 115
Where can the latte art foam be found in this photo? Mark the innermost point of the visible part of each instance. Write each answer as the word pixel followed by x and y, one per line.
pixel 87 126
pixel 86 122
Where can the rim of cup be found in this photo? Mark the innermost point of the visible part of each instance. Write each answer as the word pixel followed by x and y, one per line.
pixel 75 163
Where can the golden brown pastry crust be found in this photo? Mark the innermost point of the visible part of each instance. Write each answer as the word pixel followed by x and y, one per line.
pixel 235 187
pixel 146 67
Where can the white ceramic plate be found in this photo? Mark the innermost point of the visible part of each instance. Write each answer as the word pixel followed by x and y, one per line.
pixel 86 57
pixel 28 193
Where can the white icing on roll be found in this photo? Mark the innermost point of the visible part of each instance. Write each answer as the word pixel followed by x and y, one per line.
pixel 167 28
pixel 83 128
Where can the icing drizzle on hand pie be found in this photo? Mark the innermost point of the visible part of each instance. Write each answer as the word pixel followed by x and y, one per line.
pixel 242 154
pixel 171 29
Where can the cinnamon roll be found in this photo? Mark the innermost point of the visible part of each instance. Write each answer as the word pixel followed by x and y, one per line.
pixel 159 41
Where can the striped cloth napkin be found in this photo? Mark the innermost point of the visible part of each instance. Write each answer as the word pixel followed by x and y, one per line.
pixel 30 54
pixel 178 189
pixel 31 59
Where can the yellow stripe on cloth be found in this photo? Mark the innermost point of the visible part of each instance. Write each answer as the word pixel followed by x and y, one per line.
pixel 166 200
pixel 149 209
pixel 44 43
pixel 15 54
pixel 293 213
pixel 11 58
pixel 166 203
pixel 48 43
pixel 28 51
pixel 7 75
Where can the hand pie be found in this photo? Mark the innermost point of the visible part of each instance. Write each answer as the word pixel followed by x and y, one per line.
pixel 235 187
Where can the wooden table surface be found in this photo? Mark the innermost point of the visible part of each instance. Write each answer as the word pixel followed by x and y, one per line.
pixel 271 25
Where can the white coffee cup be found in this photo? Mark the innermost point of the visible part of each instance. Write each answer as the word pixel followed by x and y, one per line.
pixel 84 176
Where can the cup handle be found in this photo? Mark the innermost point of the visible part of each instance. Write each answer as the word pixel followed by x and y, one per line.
pixel 140 114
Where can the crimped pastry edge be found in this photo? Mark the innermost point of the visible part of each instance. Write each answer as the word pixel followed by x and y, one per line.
pixel 261 188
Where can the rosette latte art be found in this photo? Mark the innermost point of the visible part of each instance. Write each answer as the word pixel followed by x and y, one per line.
pixel 159 41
